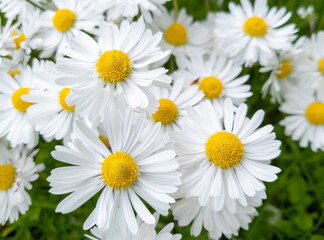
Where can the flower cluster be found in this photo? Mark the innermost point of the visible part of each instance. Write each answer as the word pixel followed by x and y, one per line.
pixel 150 107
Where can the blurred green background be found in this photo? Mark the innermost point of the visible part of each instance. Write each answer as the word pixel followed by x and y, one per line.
pixel 295 203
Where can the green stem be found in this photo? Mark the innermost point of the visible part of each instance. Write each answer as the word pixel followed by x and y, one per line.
pixel 175 8
pixel 36 5
pixel 207 5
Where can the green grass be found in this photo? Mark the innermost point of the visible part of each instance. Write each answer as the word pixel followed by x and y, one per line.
pixel 294 208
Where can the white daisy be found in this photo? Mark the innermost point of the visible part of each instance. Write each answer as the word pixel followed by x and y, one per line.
pixel 13 118
pixel 7 38
pixel 131 8
pixel 116 65
pixel 305 120
pixel 216 76
pixel 70 18
pixel 50 114
pixel 136 168
pixel 181 34
pixel 173 103
pixel 145 231
pixel 251 34
pixel 226 155
pixel 284 73
pixel 20 8
pixel 17 171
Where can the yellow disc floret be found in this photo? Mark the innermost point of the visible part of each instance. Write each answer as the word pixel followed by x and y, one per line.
pixel 211 86
pixel 7 176
pixel 64 19
pixel 17 102
pixel 255 27
pixel 13 73
pixel 119 170
pixel 114 66
pixel 284 70
pixel 62 100
pixel 224 149
pixel 315 113
pixel 18 40
pixel 176 34
pixel 321 65
pixel 167 112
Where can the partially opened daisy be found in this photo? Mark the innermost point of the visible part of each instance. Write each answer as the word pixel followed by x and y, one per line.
pixel 13 118
pixel 229 152
pixel 70 18
pixel 137 168
pixel 251 34
pixel 17 171
pixel 173 103
pixel 130 8
pixel 305 120
pixel 145 231
pixel 216 77
pixel 181 34
pixel 118 64
pixel 20 8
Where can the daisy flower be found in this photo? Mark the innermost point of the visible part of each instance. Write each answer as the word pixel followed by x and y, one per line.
pixel 116 65
pixel 145 231
pixel 228 155
pixel 7 38
pixel 13 118
pixel 20 8
pixel 311 62
pixel 136 168
pixel 50 114
pixel 70 18
pixel 305 120
pixel 131 8
pixel 216 77
pixel 17 171
pixel 173 103
pixel 251 34
pixel 284 73
pixel 181 34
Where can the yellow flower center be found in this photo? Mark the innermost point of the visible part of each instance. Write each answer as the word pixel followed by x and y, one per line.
pixel 7 176
pixel 114 66
pixel 167 112
pixel 284 69
pixel 176 34
pixel 64 19
pixel 104 140
pixel 62 100
pixel 321 65
pixel 119 170
pixel 21 38
pixel 255 27
pixel 315 113
pixel 13 73
pixel 211 86
pixel 224 149
pixel 17 102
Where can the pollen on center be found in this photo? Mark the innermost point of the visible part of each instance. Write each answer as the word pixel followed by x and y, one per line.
pixel 62 100
pixel 211 86
pixel 17 102
pixel 255 27
pixel 284 69
pixel 7 176
pixel 167 112
pixel 64 19
pixel 315 113
pixel 176 34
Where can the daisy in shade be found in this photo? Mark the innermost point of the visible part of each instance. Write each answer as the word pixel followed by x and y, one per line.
pixel 145 231
pixel 305 120
pixel 131 8
pixel 229 152
pixel 181 34
pixel 20 8
pixel 17 171
pixel 114 66
pixel 216 77
pixel 70 18
pixel 50 114
pixel 311 62
pixel 251 34
pixel 173 103
pixel 284 73
pixel 13 118
pixel 137 168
